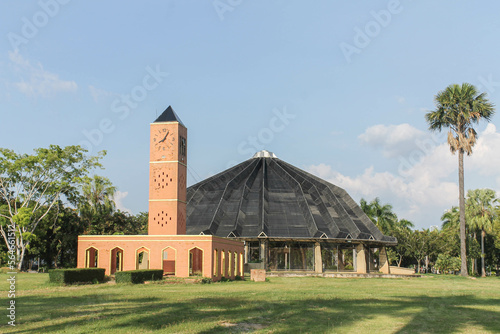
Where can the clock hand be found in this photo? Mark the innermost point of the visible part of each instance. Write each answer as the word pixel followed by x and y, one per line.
pixel 164 138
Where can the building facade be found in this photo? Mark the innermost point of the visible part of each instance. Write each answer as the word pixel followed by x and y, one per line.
pixel 166 246
pixel 289 219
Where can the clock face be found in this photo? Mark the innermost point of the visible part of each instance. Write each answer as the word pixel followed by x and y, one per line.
pixel 163 140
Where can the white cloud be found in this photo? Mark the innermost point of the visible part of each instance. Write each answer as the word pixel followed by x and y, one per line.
pixel 393 140
pixel 485 156
pixel 118 199
pixel 37 82
pixel 426 183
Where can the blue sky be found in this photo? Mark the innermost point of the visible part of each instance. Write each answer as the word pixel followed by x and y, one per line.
pixel 337 88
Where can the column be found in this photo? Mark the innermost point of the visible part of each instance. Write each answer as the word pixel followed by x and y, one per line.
pixel 384 261
pixel 318 261
pixel 247 249
pixel 361 266
pixel 340 259
pixel 263 252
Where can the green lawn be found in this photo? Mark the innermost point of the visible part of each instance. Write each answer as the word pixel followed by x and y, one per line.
pixel 282 305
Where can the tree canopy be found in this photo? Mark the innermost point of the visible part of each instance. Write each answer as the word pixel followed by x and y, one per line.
pixel 32 184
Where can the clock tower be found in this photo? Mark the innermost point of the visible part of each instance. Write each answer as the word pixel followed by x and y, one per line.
pixel 167 175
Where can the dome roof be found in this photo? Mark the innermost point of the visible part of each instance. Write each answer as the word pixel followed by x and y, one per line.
pixel 267 197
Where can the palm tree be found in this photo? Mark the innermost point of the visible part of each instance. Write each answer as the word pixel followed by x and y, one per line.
pixel 404 223
pixel 451 218
pixel 380 215
pixel 367 209
pixel 459 108
pixel 480 215
pixel 96 198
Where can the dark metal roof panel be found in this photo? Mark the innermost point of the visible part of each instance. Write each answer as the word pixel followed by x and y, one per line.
pixel 267 195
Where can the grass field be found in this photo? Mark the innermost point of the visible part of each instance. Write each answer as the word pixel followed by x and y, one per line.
pixel 282 305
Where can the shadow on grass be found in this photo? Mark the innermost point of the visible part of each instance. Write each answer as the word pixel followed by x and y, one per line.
pixel 233 315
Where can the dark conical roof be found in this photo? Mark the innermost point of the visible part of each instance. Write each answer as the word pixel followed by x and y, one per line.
pixel 267 197
pixel 169 115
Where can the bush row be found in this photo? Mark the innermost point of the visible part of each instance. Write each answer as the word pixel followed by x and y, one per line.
pixel 138 276
pixel 69 276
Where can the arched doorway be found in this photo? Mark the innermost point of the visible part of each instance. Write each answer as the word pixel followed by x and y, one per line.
pixel 216 262
pixel 241 265
pixel 91 257
pixel 116 260
pixel 142 258
pixel 223 272
pixel 168 258
pixel 195 261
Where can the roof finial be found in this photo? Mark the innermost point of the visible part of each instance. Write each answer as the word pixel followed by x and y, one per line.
pixel 264 154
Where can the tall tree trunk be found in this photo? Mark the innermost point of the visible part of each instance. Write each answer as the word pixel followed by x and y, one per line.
pixel 20 257
pixel 463 248
pixel 483 270
pixel 474 263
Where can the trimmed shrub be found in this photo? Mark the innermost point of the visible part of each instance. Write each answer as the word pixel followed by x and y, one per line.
pixel 78 275
pixel 206 280
pixel 138 276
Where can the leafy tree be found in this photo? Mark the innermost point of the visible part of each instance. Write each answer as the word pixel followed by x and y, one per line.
pixel 417 246
pixel 56 241
pixel 459 108
pixel 120 222
pixel 446 263
pixel 402 231
pixel 480 215
pixel 31 185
